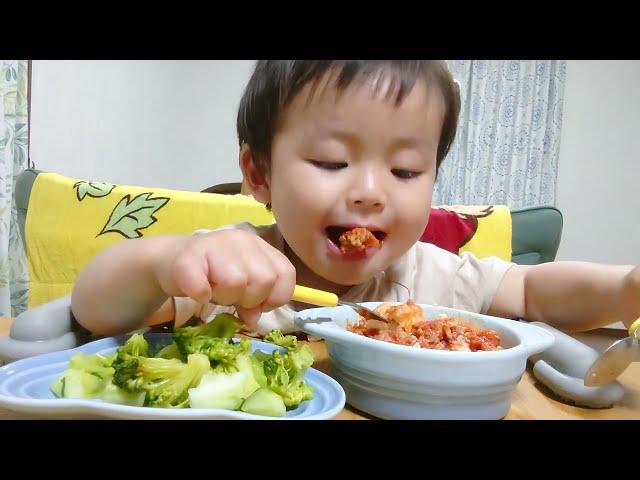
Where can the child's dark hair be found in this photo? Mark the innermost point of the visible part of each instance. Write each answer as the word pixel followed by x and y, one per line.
pixel 275 83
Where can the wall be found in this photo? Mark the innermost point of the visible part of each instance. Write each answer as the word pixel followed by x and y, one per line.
pixel 599 172
pixel 156 123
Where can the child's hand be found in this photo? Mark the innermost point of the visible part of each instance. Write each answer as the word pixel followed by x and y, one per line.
pixel 227 267
pixel 630 297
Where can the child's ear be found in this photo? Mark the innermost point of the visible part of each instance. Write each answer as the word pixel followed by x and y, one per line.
pixel 254 179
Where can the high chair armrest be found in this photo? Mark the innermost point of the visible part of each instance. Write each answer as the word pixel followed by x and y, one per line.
pixel 47 328
pixel 562 367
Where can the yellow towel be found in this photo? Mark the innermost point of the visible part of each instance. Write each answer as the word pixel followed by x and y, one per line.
pixel 493 236
pixel 69 221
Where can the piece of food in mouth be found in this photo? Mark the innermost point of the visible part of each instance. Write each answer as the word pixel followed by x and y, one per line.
pixel 358 240
pixel 442 333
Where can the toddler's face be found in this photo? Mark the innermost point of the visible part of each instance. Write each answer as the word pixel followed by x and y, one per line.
pixel 354 158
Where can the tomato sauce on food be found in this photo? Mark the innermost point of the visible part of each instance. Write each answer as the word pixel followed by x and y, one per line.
pixel 412 329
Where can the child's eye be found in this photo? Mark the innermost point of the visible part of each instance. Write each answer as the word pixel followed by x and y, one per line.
pixel 329 165
pixel 405 174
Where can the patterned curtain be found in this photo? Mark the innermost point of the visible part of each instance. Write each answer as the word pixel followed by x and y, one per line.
pixel 506 148
pixel 14 142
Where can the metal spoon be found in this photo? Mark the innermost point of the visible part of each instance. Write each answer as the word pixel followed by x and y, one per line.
pixel 328 299
pixel 615 359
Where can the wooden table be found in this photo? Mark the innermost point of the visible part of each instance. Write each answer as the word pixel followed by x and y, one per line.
pixel 529 401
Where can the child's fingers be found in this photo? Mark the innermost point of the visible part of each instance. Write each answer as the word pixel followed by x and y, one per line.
pixel 250 316
pixel 246 283
pixel 191 279
pixel 282 288
pixel 227 281
pixel 244 276
pixel 271 278
pixel 262 277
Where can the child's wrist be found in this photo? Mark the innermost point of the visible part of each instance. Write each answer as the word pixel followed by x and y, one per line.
pixel 158 253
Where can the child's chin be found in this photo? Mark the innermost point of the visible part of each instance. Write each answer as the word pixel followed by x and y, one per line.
pixel 349 277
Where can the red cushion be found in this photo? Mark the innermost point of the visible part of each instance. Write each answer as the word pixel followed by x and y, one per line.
pixel 449 230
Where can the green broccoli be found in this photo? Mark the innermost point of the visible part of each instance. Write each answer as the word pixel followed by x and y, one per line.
pixel 135 346
pixel 276 336
pixel 224 325
pixel 221 352
pixel 296 392
pixel 213 339
pixel 165 381
pixel 285 374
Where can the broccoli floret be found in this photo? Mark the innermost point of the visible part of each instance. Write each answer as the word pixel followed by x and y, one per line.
pixel 285 374
pixel 224 325
pixel 214 340
pixel 221 352
pixel 136 345
pixel 127 355
pixel 165 381
pixel 297 392
pixel 276 336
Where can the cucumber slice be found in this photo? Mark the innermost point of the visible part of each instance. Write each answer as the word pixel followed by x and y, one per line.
pixel 219 390
pixel 79 384
pixel 169 352
pixel 114 394
pixel 265 402
pixel 245 364
pixel 57 386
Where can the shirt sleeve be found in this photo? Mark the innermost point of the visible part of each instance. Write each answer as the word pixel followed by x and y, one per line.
pixel 463 282
pixel 477 280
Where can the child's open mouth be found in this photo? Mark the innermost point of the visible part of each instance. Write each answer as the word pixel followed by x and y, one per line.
pixel 354 242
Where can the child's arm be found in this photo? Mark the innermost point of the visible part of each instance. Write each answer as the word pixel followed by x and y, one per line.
pixel 130 284
pixel 573 296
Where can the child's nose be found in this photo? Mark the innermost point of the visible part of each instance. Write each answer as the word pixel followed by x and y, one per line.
pixel 367 191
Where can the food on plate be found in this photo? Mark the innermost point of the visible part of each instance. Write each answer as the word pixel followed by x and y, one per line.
pixel 204 367
pixel 410 327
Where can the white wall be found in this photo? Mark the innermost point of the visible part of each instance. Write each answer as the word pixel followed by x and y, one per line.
pixel 157 123
pixel 599 164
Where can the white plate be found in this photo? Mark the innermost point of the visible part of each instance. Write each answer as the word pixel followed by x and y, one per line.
pixel 24 388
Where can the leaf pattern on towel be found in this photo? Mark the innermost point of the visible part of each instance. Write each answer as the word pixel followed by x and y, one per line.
pixel 132 215
pixel 92 189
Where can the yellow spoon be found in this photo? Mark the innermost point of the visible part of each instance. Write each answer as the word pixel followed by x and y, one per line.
pixel 328 299
pixel 615 359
